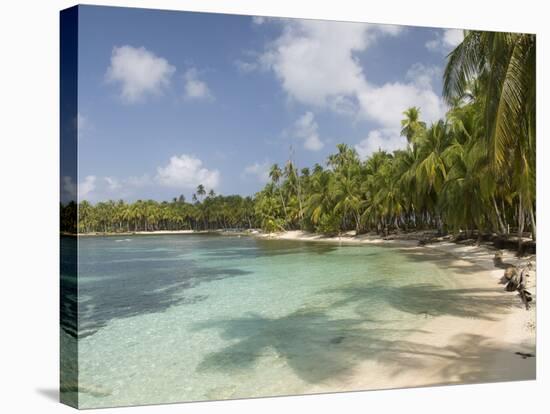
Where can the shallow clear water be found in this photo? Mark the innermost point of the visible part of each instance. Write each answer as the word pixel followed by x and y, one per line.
pixel 193 317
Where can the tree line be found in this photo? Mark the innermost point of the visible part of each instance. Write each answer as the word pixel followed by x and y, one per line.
pixel 206 212
pixel 472 171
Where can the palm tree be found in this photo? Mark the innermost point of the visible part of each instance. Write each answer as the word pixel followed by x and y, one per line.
pixel 293 181
pixel 504 65
pixel 320 202
pixel 411 126
pixel 275 174
pixel 201 190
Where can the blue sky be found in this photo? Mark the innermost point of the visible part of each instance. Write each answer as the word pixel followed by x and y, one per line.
pixel 168 100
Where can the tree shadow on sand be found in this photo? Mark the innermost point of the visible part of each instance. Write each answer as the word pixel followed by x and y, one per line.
pixel 426 299
pixel 445 261
pixel 316 347
pixel 319 348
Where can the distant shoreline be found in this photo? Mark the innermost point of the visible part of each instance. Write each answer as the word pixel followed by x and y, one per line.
pixel 406 238
pixel 164 232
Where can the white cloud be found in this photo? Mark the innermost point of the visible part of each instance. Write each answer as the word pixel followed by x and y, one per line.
pixel 139 72
pixel 258 20
pixel 258 170
pixel 95 188
pixel 86 187
pixel 306 129
pixel 196 88
pixel 424 76
pixel 113 184
pixel 445 40
pixel 187 172
pixel 315 62
pixel 385 104
pixel 453 37
pixel 380 139
pixel 314 59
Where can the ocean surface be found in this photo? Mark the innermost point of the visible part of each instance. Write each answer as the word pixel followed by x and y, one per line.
pixel 176 318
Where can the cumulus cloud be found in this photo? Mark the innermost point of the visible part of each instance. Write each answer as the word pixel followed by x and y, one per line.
pixel 306 129
pixel 86 187
pixel 385 104
pixel 139 73
pixel 314 59
pixel 186 172
pixel 260 171
pixel 195 88
pixel 445 40
pixel 380 139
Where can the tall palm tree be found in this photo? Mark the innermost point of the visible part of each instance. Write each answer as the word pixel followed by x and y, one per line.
pixel 201 191
pixel 275 174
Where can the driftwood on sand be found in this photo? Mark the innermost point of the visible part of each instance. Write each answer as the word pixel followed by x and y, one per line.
pixel 515 278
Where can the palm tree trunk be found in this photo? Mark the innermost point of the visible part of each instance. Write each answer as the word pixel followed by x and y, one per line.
pixel 499 218
pixel 283 202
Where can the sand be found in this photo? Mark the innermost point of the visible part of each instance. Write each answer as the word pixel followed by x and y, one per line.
pixel 452 348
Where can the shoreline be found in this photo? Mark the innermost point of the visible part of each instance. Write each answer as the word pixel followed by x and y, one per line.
pixel 451 349
pixel 165 232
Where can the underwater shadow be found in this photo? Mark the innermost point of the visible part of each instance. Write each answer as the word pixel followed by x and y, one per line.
pixel 132 293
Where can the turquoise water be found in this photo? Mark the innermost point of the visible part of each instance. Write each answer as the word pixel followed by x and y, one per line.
pixel 197 317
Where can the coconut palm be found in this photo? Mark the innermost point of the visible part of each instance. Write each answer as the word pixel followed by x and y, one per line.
pixel 412 126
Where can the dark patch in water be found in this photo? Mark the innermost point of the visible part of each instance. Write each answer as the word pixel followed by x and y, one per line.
pixel 120 282
pixel 337 340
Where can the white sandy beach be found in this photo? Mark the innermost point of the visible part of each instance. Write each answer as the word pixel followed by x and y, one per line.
pixel 451 349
